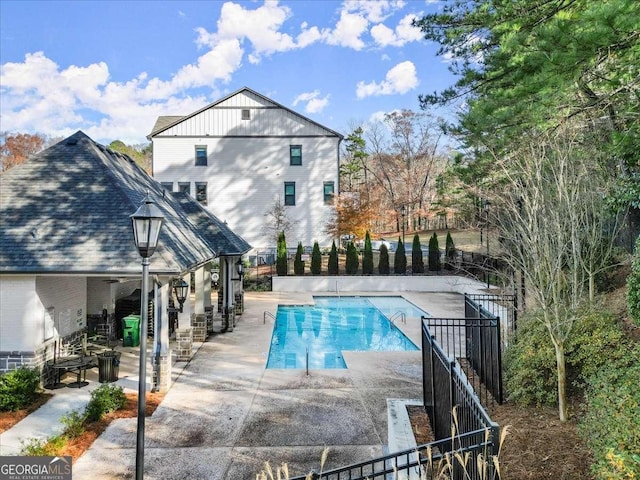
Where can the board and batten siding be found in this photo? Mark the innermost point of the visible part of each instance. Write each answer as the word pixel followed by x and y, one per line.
pixel 245 177
pixel 22 313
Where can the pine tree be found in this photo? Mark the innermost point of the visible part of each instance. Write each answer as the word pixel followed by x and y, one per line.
pixel 298 263
pixel 400 259
pixel 316 260
pixel 281 256
pixel 333 259
pixel 367 258
pixel 383 264
pixel 417 262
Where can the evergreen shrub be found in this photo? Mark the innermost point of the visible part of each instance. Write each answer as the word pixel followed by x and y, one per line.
pixel 351 262
pixel 333 259
pixel 281 255
pixel 434 253
pixel 298 263
pixel 316 260
pixel 18 388
pixel 367 257
pixel 400 259
pixel 417 262
pixel 383 263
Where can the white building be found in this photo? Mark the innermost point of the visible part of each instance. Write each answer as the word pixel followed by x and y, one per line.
pixel 241 155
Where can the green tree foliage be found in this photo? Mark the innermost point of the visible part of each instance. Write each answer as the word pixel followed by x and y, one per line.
pixel 353 169
pixel 316 260
pixel 367 257
pixel 141 154
pixel 450 250
pixel 298 263
pixel 417 262
pixel 400 259
pixel 633 287
pixel 333 259
pixel 434 253
pixel 281 256
pixel 383 263
pixel 351 261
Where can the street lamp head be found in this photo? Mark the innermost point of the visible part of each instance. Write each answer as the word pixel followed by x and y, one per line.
pixel 181 289
pixel 146 222
pixel 240 267
pixel 403 210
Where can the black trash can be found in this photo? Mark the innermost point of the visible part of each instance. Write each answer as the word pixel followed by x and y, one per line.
pixel 108 366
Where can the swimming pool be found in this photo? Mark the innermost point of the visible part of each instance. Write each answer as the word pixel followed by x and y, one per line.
pixel 335 324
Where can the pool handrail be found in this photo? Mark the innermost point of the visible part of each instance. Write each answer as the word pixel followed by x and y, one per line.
pixel 264 317
pixel 400 315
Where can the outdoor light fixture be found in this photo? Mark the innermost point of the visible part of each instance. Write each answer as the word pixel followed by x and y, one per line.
pixel 181 289
pixel 240 268
pixel 146 223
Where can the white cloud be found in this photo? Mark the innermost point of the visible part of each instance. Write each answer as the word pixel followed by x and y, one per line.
pixel 315 103
pixel 348 31
pixel 403 33
pixel 399 80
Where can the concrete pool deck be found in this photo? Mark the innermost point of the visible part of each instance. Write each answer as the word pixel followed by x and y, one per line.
pixel 226 414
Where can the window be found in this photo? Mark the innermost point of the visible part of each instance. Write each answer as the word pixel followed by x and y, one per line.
pixel 289 193
pixel 184 188
pixel 201 193
pixel 295 154
pixel 246 114
pixel 201 156
pixel 328 192
pixel 167 186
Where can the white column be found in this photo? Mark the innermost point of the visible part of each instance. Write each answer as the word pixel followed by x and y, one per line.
pixel 207 285
pixel 200 291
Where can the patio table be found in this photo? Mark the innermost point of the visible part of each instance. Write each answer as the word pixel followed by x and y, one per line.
pixel 75 363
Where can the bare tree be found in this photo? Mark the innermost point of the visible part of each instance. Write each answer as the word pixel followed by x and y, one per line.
pixel 277 221
pixel 549 208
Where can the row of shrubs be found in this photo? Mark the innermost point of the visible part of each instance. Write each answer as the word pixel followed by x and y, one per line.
pixel 104 399
pixel 352 260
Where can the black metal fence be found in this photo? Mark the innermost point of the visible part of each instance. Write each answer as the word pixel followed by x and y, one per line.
pixel 502 306
pixel 473 460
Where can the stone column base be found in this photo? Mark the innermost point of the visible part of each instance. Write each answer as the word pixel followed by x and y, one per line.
pixel 161 380
pixel 199 323
pixel 184 344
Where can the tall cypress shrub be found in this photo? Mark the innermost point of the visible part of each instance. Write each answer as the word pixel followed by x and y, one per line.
pixel 316 260
pixel 351 262
pixel 417 262
pixel 434 253
pixel 367 257
pixel 400 259
pixel 298 263
pixel 450 251
pixel 281 255
pixel 383 263
pixel 333 259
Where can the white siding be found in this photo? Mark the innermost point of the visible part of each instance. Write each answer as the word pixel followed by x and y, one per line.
pixel 68 296
pixel 245 177
pixel 21 314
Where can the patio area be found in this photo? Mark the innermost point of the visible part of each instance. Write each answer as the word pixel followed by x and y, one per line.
pixel 226 414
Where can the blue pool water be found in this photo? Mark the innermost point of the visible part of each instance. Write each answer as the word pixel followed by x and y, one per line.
pixel 335 324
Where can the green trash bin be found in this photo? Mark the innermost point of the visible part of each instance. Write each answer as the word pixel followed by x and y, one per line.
pixel 131 331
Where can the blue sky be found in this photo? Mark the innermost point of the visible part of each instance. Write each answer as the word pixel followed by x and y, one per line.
pixel 110 68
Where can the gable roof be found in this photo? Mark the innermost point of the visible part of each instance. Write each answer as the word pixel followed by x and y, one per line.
pixel 165 122
pixel 66 210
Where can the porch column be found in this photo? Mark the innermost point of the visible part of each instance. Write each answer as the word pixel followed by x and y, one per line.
pixel 161 355
pixel 184 333
pixel 200 321
pixel 184 318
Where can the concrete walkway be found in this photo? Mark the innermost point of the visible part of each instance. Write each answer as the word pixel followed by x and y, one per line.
pixel 226 414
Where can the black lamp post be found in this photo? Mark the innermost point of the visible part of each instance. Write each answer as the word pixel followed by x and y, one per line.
pixel 403 212
pixel 146 222
pixel 487 203
pixel 180 289
pixel 240 268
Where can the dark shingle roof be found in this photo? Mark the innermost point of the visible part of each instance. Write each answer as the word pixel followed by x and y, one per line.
pixel 165 121
pixel 66 210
